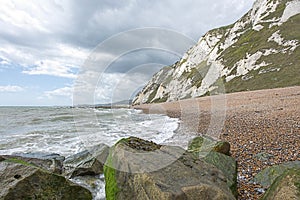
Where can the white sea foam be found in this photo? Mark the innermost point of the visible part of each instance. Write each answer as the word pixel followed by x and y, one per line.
pixel 56 132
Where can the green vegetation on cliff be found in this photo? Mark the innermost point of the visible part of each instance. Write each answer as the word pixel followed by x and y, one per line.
pixel 259 51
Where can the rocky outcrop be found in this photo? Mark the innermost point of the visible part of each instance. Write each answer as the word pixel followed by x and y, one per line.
pixel 139 169
pixel 267 176
pixel 286 186
pixel 88 162
pixel 48 161
pixel 22 180
pixel 259 51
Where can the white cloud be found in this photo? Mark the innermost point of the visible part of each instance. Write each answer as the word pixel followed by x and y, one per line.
pixel 60 92
pixel 49 67
pixel 64 32
pixel 55 38
pixel 11 88
pixel 4 62
pixel 32 33
pixel 18 13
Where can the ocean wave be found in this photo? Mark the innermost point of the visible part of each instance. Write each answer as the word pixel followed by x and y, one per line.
pixel 66 132
pixel 62 118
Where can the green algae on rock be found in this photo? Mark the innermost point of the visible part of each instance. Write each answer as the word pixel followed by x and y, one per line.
pixel 267 176
pixel 202 145
pixel 286 186
pixel 133 171
pixel 216 153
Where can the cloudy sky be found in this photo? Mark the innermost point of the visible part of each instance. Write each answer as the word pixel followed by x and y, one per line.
pixel 55 51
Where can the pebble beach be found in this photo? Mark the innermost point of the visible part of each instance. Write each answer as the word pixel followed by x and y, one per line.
pixel 254 122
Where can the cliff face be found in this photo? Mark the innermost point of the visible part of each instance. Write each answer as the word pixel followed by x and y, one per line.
pixel 259 51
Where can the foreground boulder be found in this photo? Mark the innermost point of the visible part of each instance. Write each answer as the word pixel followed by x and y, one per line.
pixel 21 180
pixel 227 165
pixel 267 176
pixel 216 153
pixel 88 162
pixel 49 161
pixel 138 169
pixel 286 186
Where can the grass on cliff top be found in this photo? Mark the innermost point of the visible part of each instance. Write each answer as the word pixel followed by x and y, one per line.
pixel 288 63
pixel 278 12
pixel 252 41
pixel 291 29
pixel 221 30
pixel 249 43
pixel 288 75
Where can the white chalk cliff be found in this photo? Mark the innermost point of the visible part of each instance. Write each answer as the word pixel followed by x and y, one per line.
pixel 259 51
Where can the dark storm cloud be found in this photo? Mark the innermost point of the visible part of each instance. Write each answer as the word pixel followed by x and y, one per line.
pixel 84 24
pixel 94 21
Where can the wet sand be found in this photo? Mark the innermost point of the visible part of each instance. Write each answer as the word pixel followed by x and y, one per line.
pixel 263 121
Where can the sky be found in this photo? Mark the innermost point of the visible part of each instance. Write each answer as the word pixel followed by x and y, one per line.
pixel 69 52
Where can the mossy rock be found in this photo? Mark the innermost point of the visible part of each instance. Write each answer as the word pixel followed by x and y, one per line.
pixel 202 145
pixel 139 144
pixel 131 144
pixel 267 176
pixel 24 181
pixel 111 186
pixel 129 176
pixel 227 165
pixel 216 153
pixel 286 186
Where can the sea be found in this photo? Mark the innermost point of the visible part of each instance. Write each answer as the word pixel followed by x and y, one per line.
pixel 69 130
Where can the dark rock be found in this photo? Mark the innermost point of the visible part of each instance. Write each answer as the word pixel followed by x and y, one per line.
pixel 225 134
pixel 95 184
pixel 88 162
pixel 21 180
pixel 269 174
pixel 50 162
pixel 149 171
pixel 222 147
pixel 1 158
pixel 286 186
